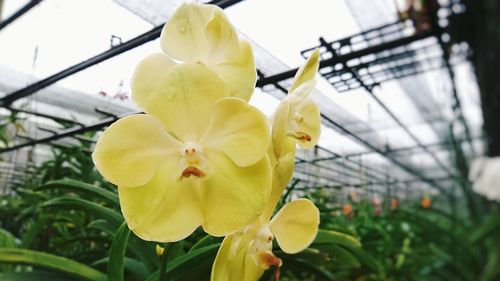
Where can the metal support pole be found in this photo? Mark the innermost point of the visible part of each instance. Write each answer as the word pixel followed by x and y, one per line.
pixel 389 157
pixel 345 58
pixel 54 118
pixel 393 116
pixel 126 46
pixel 354 136
pixel 18 13
pixel 66 133
pixel 282 89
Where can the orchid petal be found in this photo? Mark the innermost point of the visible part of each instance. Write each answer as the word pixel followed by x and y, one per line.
pixel 280 139
pixel 165 209
pixel 300 93
pixel 199 33
pixel 240 73
pixel 295 226
pixel 230 260
pixel 233 260
pixel 221 37
pixel 311 123
pixel 252 270
pixel 130 150
pixel 282 174
pixel 184 99
pixel 148 76
pixel 238 130
pixel 234 196
pixel 307 71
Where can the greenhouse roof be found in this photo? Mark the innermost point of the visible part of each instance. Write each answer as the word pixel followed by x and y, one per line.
pixel 397 103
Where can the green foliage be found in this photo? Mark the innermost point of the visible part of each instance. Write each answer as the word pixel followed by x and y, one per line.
pixel 64 223
pixel 69 211
pixel 414 243
pixel 117 254
pixel 59 264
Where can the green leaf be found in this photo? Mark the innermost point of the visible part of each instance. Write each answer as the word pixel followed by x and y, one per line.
pixel 52 262
pixel 206 241
pixel 74 185
pixel 489 226
pixel 7 239
pixel 100 211
pixel 131 265
pixel 340 258
pixel 188 262
pixel 335 237
pixel 367 260
pixel 305 265
pixel 117 254
pixel 142 250
pixel 176 250
pixel 310 254
pixel 491 270
pixel 33 230
pixel 32 276
pixel 103 226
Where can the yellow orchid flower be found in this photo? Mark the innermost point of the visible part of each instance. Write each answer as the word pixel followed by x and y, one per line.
pixel 197 157
pixel 245 255
pixel 297 119
pixel 200 34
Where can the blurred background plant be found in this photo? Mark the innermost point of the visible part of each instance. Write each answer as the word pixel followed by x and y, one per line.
pixel 68 211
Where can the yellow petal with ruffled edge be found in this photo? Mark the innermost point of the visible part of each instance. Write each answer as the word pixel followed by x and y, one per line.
pixel 307 71
pixel 199 33
pixel 239 130
pixel 233 196
pixel 295 226
pixel 240 73
pixel 165 209
pixel 184 100
pixel 130 150
pixel 148 75
pixel 310 125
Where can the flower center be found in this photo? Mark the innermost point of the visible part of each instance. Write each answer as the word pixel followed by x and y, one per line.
pixel 261 249
pixel 298 118
pixel 300 136
pixel 294 128
pixel 191 160
pixel 263 239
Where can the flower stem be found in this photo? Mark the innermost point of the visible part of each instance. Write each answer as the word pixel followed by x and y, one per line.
pixel 163 263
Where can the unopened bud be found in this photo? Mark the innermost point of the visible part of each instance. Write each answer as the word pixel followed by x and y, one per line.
pixel 159 250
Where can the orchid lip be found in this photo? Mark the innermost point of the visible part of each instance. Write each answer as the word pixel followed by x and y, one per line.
pixel 192 171
pixel 301 136
pixel 269 259
pixel 191 158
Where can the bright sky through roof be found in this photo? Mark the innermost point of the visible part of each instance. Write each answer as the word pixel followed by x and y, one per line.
pixel 59 33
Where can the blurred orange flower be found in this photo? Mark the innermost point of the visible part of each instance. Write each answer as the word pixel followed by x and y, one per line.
pixel 394 203
pixel 426 202
pixel 347 209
